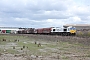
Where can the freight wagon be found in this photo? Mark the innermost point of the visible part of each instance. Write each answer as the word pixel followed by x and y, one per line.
pixel 26 31
pixel 43 31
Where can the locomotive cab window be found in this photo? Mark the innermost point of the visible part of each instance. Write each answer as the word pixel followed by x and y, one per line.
pixel 68 29
pixel 74 29
pixel 71 29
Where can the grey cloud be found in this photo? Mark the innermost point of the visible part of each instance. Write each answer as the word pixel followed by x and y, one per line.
pixel 35 13
pixel 17 7
pixel 47 5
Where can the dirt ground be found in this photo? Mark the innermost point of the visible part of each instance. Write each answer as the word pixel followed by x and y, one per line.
pixel 44 47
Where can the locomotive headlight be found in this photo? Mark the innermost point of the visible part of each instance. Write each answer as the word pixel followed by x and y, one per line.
pixel 72 31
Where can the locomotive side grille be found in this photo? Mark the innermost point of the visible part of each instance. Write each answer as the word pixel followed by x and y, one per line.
pixel 65 30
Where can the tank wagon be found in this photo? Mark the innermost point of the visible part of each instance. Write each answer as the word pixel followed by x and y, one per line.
pixel 50 31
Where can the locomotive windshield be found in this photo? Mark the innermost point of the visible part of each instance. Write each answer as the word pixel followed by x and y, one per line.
pixel 72 28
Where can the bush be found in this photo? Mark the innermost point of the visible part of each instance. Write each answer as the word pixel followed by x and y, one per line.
pixel 80 33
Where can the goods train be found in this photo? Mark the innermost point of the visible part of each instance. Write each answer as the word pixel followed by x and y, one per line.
pixel 49 31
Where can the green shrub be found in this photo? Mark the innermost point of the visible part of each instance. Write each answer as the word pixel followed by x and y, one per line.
pixel 80 33
pixel 89 33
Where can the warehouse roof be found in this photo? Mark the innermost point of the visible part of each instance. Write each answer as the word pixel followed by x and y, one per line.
pixel 77 25
pixel 10 27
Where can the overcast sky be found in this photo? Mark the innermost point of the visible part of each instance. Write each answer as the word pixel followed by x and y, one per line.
pixel 43 13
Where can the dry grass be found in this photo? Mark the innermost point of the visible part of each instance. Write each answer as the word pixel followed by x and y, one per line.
pixel 51 47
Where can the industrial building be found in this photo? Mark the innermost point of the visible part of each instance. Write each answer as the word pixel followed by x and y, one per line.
pixel 79 26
